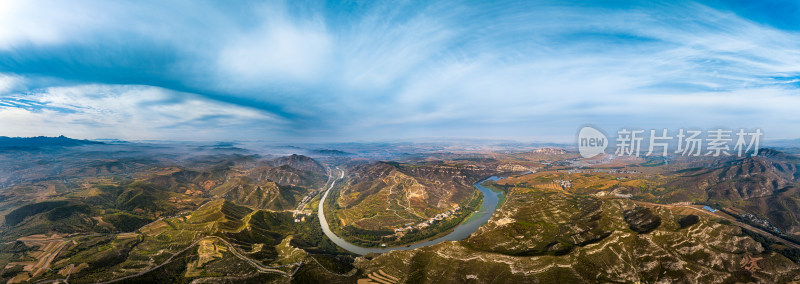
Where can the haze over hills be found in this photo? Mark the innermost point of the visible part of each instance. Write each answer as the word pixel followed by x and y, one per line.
pixel 170 212
pixel 393 142
pixel 41 141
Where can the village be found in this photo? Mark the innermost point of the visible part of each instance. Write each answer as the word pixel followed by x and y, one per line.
pixel 424 224
pixel 753 219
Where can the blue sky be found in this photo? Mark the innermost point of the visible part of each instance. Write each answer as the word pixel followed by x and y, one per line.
pixel 385 70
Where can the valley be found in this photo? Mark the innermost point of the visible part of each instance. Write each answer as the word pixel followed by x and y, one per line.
pixel 389 142
pixel 224 214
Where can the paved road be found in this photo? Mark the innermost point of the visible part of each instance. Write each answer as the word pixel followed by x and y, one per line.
pixel 261 268
pixel 255 263
pixel 732 219
pixel 63 280
pixel 311 197
pixel 461 231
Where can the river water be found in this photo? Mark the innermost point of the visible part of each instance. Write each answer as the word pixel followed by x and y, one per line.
pixel 462 231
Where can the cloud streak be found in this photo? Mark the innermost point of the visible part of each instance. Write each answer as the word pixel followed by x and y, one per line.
pixel 340 71
pixel 126 112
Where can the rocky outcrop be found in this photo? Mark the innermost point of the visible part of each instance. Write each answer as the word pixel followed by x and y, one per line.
pixel 688 220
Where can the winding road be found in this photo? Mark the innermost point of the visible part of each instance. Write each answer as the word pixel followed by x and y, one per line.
pixel 462 231
pixel 260 267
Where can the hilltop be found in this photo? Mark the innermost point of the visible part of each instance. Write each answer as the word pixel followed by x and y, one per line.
pixel 167 213
pixel 377 198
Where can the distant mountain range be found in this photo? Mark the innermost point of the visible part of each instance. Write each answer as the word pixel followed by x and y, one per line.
pixel 156 212
pixel 42 141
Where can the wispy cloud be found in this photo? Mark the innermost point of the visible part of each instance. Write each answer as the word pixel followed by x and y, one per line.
pixel 127 112
pixel 511 69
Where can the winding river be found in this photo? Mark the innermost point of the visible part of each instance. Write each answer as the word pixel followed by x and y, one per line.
pixel 462 231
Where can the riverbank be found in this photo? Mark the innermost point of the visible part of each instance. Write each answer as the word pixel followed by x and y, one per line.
pixel 489 204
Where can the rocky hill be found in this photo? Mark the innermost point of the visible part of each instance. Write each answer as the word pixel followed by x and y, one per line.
pixel 277 187
pixel 765 185
pixel 286 175
pixel 258 193
pixel 299 162
pixel 746 178
pixel 545 236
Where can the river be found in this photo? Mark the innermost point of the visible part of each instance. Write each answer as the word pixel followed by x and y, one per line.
pixel 462 231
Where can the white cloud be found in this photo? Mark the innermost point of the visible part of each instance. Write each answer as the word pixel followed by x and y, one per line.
pixel 702 68
pixel 446 66
pixel 45 22
pixel 9 83
pixel 127 112
pixel 278 50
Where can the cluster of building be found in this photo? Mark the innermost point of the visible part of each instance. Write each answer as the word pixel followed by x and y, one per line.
pixel 761 222
pixel 514 168
pixel 307 198
pixel 303 202
pixel 563 183
pixel 430 221
pixel 615 171
pixel 403 229
pixel 300 216
pixel 610 171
